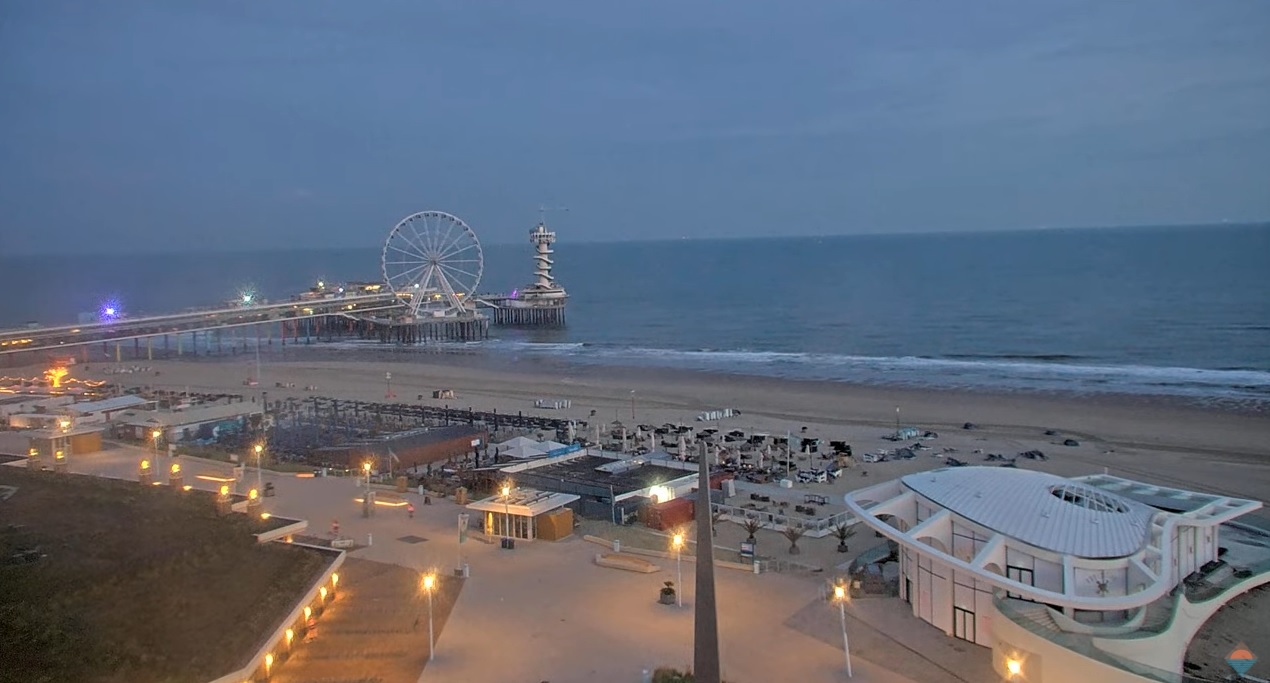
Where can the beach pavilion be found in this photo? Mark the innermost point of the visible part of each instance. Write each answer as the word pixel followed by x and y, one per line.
pixel 526 514
pixel 1093 578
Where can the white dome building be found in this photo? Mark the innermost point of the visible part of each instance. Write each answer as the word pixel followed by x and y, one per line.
pixel 1066 579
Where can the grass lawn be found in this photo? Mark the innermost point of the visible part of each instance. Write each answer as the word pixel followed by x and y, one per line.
pixel 138 584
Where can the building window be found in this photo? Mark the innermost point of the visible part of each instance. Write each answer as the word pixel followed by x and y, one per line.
pixel 1022 575
pixel 1088 498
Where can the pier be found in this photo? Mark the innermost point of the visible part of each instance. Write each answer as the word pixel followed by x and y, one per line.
pixel 424 297
pixel 541 303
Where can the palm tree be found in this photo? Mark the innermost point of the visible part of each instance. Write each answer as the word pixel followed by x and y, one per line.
pixel 752 525
pixel 843 532
pixel 794 532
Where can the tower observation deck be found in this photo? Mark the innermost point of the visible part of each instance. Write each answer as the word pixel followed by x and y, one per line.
pixel 543 301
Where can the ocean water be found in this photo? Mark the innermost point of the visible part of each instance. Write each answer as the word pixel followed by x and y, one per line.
pixel 1167 311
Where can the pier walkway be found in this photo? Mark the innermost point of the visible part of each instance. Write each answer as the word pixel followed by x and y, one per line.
pixel 45 338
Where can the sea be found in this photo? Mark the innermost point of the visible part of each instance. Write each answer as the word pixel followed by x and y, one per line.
pixel 1171 311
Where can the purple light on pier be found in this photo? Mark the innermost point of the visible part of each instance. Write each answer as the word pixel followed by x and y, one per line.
pixel 110 310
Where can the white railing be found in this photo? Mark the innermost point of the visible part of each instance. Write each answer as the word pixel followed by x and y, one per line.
pixel 817 527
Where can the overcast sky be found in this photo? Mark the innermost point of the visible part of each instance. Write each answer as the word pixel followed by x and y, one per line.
pixel 233 123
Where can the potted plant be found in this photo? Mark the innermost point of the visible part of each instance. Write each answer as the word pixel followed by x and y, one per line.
pixel 843 532
pixel 794 532
pixel 751 526
pixel 667 593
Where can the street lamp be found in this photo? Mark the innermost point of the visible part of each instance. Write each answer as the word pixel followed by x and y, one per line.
pixel 260 449
pixel 366 469
pixel 632 407
pixel 507 494
pixel 840 597
pixel 1013 668
pixel 429 583
pixel 154 440
pixel 677 542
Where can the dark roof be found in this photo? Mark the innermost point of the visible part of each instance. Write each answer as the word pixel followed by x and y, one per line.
pixel 414 438
pixel 582 470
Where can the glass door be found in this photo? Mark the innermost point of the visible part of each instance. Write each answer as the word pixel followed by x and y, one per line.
pixel 964 624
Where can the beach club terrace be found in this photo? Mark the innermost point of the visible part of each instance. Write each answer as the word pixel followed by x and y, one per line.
pixel 196 422
pixel 1094 578
pixel 602 484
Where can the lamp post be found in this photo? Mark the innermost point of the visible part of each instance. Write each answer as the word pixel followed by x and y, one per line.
pixel 429 583
pixel 632 407
pixel 260 450
pixel 154 441
pixel 840 597
pixel 507 494
pixel 677 542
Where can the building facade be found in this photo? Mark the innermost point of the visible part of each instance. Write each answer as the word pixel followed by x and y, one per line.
pixel 1083 556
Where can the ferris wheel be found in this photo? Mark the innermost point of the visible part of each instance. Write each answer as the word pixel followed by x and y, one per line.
pixel 433 262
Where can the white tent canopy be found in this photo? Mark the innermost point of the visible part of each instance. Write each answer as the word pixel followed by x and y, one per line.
pixel 525 447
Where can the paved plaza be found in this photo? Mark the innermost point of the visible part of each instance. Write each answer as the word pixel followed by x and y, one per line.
pixel 546 612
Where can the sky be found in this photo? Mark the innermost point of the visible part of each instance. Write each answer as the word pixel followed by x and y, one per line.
pixel 240 124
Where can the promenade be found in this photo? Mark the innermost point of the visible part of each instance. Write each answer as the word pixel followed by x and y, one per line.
pixel 546 612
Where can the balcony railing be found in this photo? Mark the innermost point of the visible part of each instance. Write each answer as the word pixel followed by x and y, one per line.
pixel 1021 612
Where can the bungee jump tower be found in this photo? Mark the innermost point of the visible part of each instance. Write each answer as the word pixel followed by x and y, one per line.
pixel 543 302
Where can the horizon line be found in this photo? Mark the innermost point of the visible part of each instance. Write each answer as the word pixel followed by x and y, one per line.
pixel 685 238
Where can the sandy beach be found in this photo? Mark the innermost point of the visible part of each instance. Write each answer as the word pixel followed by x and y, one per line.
pixel 1144 438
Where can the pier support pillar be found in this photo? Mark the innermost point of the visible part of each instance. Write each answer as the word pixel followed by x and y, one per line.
pixel 118 353
pixel 149 348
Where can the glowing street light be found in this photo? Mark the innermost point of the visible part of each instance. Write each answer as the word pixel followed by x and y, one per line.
pixel 268 663
pixel 507 495
pixel 1013 667
pixel 260 449
pixel 429 583
pixel 840 597
pixel 677 542
pixel 154 441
